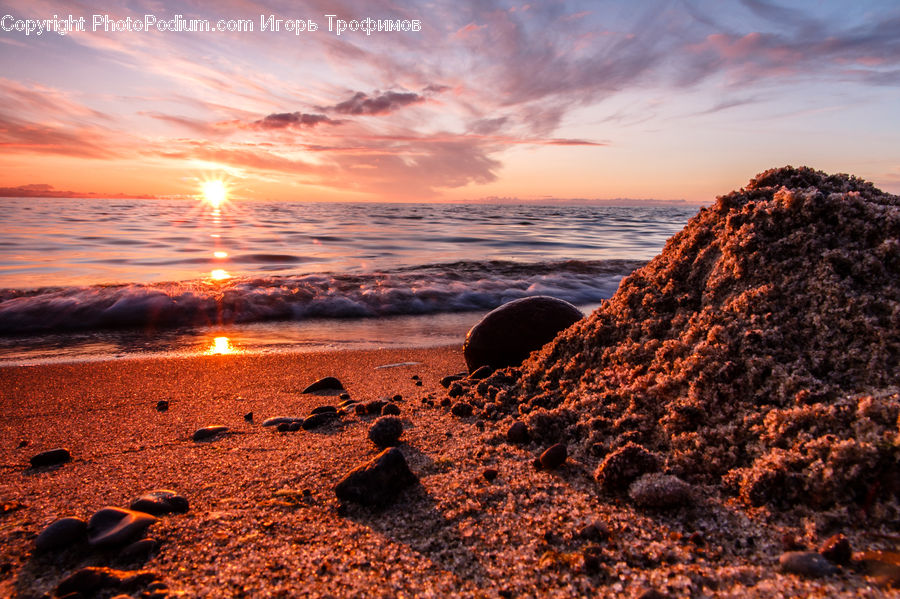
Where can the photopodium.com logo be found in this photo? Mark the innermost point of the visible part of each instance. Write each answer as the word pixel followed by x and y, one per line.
pixel 179 24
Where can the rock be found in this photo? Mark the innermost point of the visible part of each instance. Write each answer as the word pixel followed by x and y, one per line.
pixel 61 534
pixel 456 390
pixel 139 550
pixel 324 410
pixel 248 416
pixel 295 426
pixel 347 402
pixel 390 409
pixel 284 427
pixel 490 474
pixel 115 526
pixel 554 456
pixel 624 465
pixel 329 383
pixel 517 433
pixel 208 432
pixel 481 373
pixel 162 405
pixel 461 409
pixel 276 420
pixel 508 334
pixel 92 580
pixel 160 501
pixel 377 482
pixel 450 379
pixel 652 594
pixel 596 532
pixel 836 549
pixel 806 563
pixel 317 420
pixel 51 457
pixel 386 431
pixel 660 491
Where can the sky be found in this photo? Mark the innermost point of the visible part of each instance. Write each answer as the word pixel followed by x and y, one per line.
pixel 476 100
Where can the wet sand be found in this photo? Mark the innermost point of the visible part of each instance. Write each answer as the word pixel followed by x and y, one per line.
pixel 264 520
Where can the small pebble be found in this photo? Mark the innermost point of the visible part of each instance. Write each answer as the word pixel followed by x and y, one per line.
pixel 455 390
pixel 517 433
pixel 481 373
pixel 116 526
pixel 415 377
pixel 836 549
pixel 248 416
pixel 160 501
pixel 139 550
pixel 660 491
pixel 390 409
pixel 490 474
pixel 51 457
pixel 446 402
pixel 61 534
pixel 295 426
pixel 386 431
pixel 208 432
pixel 317 420
pixel 324 410
pixel 461 409
pixel 378 481
pixel 329 383
pixel 284 427
pixel 418 383
pixel 276 420
pixel 806 563
pixel 162 405
pixel 554 456
pixel 22 443
pixel 344 396
pixel 450 379
pixel 397 397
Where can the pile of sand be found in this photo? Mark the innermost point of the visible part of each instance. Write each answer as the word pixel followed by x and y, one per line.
pixel 760 350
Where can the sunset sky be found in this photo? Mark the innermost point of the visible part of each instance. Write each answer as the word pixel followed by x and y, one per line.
pixel 665 100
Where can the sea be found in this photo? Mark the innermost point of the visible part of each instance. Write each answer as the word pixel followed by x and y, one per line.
pixel 97 279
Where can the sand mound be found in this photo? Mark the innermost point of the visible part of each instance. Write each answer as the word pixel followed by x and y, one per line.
pixel 760 350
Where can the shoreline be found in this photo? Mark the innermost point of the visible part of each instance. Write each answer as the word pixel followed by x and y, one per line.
pixel 264 520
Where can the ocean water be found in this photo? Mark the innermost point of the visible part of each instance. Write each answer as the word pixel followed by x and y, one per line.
pixel 97 278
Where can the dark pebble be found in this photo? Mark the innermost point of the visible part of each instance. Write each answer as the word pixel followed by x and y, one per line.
pixel 390 409
pixel 360 409
pixel 621 467
pixel 397 397
pixel 295 426
pixel 836 549
pixel 455 390
pixel 208 432
pixel 344 396
pixel 461 409
pixel 248 416
pixel 162 405
pixel 324 410
pixel 93 580
pixel 51 457
pixel 377 482
pixel 554 456
pixel 446 402
pixel 652 594
pixel 276 420
pixel 317 420
pixel 22 443
pixel 284 427
pixel 806 563
pixel 415 377
pixel 490 474
pixel 481 373
pixel 374 407
pixel 115 526
pixel 160 501
pixel 450 379
pixel 517 433
pixel 386 431
pixel 418 383
pixel 347 402
pixel 61 534
pixel 139 550
pixel 329 383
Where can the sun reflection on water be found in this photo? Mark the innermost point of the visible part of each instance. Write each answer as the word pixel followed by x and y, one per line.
pixel 221 346
pixel 219 275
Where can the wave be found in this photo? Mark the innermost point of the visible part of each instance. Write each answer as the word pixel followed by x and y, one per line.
pixel 426 289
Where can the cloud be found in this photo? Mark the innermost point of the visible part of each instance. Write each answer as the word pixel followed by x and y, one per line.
pixel 29 137
pixel 43 190
pixel 363 104
pixel 283 120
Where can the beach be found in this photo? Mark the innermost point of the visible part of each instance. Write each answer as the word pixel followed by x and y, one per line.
pixel 264 520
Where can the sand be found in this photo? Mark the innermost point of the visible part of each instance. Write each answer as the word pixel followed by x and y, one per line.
pixel 265 522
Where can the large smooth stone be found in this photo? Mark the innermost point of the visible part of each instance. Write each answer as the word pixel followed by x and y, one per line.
pixel 61 534
pixel 160 501
pixel 116 526
pixel 377 482
pixel 51 457
pixel 329 383
pixel 508 334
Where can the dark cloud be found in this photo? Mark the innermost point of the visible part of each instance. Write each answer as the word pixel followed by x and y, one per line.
pixel 363 104
pixel 283 120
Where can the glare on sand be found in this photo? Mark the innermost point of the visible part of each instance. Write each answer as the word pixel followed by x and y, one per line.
pixel 221 346
pixel 214 192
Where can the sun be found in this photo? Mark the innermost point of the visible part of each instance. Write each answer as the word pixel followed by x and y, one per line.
pixel 214 192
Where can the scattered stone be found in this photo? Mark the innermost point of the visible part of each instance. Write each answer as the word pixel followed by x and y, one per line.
pixel 160 501
pixel 51 457
pixel 276 420
pixel 61 533
pixel 554 456
pixel 660 491
pixel 93 580
pixel 284 427
pixel 481 373
pixel 837 550
pixel 450 379
pixel 624 465
pixel 506 335
pixel 373 407
pixel 390 409
pixel 317 420
pixel 248 416
pixel 490 474
pixel 415 377
pixel 347 402
pixel 518 433
pixel 324 410
pixel 139 550
pixel 344 396
pixel 461 409
pixel 397 397
pixel 806 563
pixel 162 405
pixel 377 482
pixel 386 431
pixel 208 432
pixel 446 402
pixel 23 443
pixel 455 390
pixel 329 383
pixel 112 526
pixel 295 426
